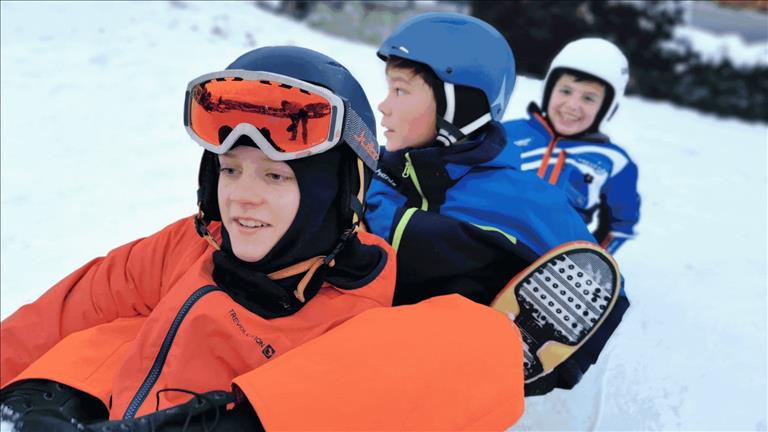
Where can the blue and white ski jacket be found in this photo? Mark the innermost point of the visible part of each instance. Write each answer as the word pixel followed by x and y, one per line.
pixel 597 176
pixel 465 219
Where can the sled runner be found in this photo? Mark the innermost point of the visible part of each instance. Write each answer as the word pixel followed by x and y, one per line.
pixel 559 301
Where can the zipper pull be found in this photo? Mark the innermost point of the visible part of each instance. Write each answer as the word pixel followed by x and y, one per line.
pixel 407 171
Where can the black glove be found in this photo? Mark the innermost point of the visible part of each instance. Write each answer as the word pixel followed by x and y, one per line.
pixel 565 376
pixel 47 405
pixel 41 405
pixel 204 412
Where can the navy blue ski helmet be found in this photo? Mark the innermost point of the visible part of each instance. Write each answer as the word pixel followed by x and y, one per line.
pixel 313 67
pixel 316 68
pixel 460 49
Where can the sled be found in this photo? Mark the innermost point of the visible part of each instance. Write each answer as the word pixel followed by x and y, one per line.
pixel 558 303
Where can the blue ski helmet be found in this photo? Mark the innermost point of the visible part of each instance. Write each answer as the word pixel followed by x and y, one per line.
pixel 316 68
pixel 460 49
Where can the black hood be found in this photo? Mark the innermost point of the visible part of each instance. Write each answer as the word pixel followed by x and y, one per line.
pixel 316 230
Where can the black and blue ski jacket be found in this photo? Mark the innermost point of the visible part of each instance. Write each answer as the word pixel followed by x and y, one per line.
pixel 465 219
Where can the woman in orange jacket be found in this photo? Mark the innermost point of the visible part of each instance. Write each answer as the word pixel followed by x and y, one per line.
pixel 270 309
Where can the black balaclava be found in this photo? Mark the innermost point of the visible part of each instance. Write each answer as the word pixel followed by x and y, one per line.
pixel 315 231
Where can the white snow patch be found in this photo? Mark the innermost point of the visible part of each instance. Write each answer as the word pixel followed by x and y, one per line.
pixel 94 154
pixel 715 48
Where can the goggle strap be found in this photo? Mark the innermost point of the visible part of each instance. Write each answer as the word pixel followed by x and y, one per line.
pixel 357 135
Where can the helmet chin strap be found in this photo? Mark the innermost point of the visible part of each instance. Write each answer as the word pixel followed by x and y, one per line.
pixel 447 132
pixel 310 265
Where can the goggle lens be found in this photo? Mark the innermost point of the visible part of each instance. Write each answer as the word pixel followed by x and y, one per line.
pixel 292 119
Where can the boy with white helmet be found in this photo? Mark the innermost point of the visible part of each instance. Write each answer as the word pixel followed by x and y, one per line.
pixel 564 144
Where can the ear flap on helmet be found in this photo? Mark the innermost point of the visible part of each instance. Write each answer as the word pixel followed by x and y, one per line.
pixel 207 189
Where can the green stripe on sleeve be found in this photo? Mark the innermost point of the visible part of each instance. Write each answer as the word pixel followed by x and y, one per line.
pixel 401 227
pixel 494 229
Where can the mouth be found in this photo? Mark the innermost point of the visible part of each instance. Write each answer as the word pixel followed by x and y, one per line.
pixel 569 117
pixel 250 223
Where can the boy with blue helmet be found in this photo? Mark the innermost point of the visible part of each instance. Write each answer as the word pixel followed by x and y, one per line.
pixel 562 142
pixel 449 193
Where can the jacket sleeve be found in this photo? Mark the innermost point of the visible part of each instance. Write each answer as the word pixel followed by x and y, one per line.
pixel 382 203
pixel 443 364
pixel 438 255
pixel 127 282
pixel 623 203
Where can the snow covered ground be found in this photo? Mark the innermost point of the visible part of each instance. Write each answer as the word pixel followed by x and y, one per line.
pixel 93 154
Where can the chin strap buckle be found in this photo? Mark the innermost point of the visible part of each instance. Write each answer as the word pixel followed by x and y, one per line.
pixel 201 226
pixel 349 233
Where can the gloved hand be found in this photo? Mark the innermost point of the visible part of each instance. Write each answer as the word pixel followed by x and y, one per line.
pixel 565 376
pixel 38 404
pixel 204 412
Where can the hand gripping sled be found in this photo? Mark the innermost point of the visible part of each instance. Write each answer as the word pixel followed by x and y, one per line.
pixel 559 301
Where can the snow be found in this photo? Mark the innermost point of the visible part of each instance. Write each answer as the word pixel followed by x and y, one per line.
pixel 93 154
pixel 715 48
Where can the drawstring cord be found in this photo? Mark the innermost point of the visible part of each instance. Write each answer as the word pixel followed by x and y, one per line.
pixel 311 265
pixel 199 398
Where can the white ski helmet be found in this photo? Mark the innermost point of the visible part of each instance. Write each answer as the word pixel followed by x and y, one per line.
pixel 597 57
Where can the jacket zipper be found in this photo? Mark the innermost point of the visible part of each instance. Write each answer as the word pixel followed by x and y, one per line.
pixel 545 159
pixel 410 172
pixel 157 366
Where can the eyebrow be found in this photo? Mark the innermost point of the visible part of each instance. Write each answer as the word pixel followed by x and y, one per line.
pixel 399 79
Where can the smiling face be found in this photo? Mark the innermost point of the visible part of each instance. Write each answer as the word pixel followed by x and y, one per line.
pixel 258 201
pixel 574 104
pixel 409 110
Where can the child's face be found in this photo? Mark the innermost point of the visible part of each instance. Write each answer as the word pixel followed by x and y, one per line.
pixel 573 105
pixel 258 200
pixel 409 111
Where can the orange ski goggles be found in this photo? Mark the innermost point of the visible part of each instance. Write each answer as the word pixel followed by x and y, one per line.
pixel 287 118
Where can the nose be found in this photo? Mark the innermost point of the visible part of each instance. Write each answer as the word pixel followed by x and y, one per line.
pixel 383 107
pixel 247 192
pixel 572 103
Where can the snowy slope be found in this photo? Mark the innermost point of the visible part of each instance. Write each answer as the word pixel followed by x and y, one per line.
pixel 93 154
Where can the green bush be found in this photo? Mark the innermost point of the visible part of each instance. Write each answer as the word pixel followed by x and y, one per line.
pixel 537 30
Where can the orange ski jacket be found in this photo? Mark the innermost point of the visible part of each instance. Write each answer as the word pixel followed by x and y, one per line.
pixel 149 316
